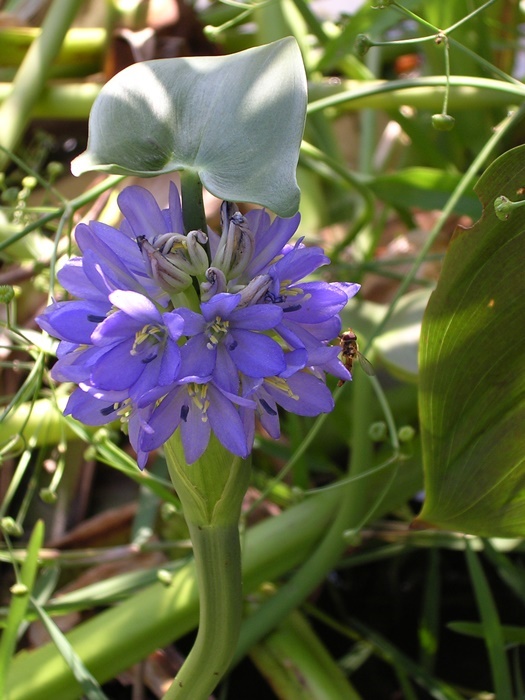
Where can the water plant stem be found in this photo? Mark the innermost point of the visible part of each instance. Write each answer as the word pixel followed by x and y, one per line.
pixel 33 73
pixel 211 491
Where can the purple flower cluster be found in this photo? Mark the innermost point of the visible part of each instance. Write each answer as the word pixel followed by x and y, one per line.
pixel 195 330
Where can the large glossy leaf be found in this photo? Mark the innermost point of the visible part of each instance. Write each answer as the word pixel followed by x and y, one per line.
pixel 472 370
pixel 235 120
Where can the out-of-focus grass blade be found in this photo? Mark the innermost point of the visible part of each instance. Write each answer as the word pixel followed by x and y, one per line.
pixel 510 633
pixel 492 631
pixel 437 689
pixel 112 455
pixel 513 576
pixel 19 601
pixel 42 590
pixel 297 665
pixel 429 623
pixel 89 685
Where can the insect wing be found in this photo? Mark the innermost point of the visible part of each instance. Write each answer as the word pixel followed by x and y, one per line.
pixel 366 365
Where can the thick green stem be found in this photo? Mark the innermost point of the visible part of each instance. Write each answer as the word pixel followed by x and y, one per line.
pixel 211 491
pixel 218 564
pixel 33 73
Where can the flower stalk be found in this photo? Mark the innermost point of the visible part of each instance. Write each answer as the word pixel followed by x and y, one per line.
pixel 211 491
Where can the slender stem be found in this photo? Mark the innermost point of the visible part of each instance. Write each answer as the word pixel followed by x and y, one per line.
pixel 414 92
pixel 218 564
pixel 192 203
pixel 33 72
pixel 447 75
pixel 480 60
pixel 464 184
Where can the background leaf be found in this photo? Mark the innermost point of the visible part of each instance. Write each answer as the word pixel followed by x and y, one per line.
pixel 472 369
pixel 220 116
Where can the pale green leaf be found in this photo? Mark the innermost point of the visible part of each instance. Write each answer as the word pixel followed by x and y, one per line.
pixel 237 121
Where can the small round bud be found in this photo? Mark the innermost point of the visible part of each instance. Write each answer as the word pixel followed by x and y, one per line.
pixel 352 537
pixel 406 433
pixel 11 527
pixel 362 45
pixel 7 294
pixel 168 511
pixel 443 122
pixel 297 494
pixel 54 170
pixel 90 453
pixel 10 195
pixel 29 182
pixel 377 432
pixel 165 576
pixel 19 589
pixel 502 207
pixel 48 496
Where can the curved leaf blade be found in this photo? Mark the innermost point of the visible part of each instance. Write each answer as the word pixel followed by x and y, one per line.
pixel 472 371
pixel 236 120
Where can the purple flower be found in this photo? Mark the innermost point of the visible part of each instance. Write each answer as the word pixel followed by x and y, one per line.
pixel 227 339
pixel 130 348
pixel 297 390
pixel 199 408
pixel 174 329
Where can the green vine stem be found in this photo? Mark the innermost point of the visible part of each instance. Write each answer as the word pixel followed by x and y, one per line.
pixel 211 491
pixel 33 72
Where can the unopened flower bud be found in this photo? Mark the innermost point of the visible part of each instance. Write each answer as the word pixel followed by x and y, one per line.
pixel 11 527
pixel 503 207
pixel 165 576
pixel 163 270
pixel 443 122
pixel 48 496
pixel 7 293
pixel 362 45
pixel 406 433
pixel 255 290
pixel 235 249
pixel 19 589
pixel 377 431
pixel 216 283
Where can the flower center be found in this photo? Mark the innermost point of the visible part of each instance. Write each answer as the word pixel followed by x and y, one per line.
pixel 281 385
pixel 198 393
pixel 146 339
pixel 217 329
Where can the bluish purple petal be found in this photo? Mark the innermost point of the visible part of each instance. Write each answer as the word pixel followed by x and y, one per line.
pixel 193 322
pixel 308 395
pixel 226 423
pixel 255 354
pixel 142 212
pixel 175 221
pixel 226 373
pixel 195 430
pixel 260 317
pixel 73 321
pixel 115 328
pixel 117 369
pixel 170 363
pixel 73 278
pixel 89 410
pixel 220 305
pixel 136 305
pixel 197 358
pixel 269 239
pixel 174 323
pixel 163 421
